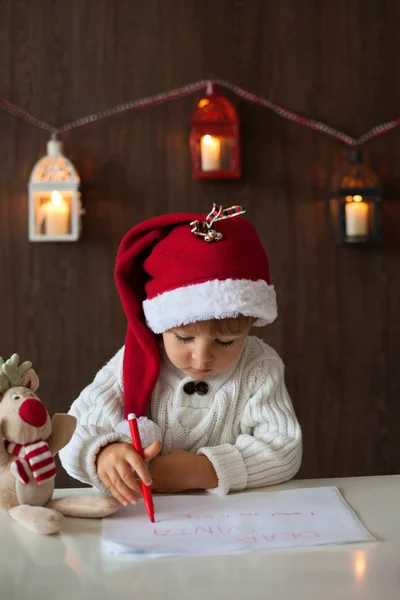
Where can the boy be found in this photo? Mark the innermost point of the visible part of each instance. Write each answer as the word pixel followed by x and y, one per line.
pixel 220 412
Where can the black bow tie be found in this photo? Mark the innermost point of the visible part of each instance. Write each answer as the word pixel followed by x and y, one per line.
pixel 200 387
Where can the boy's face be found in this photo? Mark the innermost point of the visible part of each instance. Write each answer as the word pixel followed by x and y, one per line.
pixel 202 355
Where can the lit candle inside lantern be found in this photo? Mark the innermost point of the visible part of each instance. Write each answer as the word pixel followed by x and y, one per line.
pixel 210 148
pixel 356 213
pixel 57 215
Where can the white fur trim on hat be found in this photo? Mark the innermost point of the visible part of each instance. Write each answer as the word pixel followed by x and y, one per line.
pixel 216 299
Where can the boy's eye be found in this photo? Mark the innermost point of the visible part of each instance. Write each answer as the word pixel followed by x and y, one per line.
pixel 225 343
pixel 183 340
pixel 188 340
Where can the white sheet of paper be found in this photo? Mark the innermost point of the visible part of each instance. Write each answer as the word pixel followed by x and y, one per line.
pixel 208 524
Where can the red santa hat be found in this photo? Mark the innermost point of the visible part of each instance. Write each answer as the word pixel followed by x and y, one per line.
pixel 181 268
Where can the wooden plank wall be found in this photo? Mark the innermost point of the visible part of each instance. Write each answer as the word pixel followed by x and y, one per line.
pixel 338 330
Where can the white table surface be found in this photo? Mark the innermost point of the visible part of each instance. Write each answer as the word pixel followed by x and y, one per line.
pixel 72 565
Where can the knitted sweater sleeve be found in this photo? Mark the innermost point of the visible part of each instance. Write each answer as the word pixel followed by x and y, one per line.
pixel 98 409
pixel 269 448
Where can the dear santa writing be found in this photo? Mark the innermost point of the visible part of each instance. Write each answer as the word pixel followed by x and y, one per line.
pixel 242 533
pixel 250 532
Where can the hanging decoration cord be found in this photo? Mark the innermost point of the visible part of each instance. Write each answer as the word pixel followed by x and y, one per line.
pixel 189 89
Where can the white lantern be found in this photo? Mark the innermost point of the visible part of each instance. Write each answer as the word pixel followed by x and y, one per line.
pixel 54 199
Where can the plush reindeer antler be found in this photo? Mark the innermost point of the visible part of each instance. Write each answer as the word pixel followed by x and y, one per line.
pixel 11 373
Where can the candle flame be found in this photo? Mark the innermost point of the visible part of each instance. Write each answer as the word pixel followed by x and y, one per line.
pixel 56 198
pixel 357 198
pixel 208 139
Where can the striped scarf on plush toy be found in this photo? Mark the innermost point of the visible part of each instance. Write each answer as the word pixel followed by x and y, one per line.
pixel 33 458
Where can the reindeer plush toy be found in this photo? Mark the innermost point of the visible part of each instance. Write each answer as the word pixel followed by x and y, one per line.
pixel 29 440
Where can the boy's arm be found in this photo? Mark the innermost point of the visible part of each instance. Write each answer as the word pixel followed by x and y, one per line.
pixel 269 449
pixel 98 409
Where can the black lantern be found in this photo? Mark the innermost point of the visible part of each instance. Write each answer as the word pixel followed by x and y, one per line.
pixel 355 205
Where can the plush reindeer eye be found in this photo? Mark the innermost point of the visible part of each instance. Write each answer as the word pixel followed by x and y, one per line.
pixel 16 397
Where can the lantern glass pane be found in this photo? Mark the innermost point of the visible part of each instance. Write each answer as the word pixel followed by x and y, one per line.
pixel 215 152
pixel 363 219
pixel 357 219
pixel 53 213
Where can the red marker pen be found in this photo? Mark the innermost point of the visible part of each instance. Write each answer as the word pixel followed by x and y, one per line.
pixel 137 444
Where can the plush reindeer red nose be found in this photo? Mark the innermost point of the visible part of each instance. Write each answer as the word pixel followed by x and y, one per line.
pixel 33 412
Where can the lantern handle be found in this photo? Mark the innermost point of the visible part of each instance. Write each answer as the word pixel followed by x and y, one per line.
pixel 211 88
pixel 356 155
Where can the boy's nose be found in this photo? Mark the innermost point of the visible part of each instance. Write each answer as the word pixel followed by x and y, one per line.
pixel 202 356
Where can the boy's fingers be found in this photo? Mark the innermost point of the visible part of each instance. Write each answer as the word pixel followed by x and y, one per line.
pixel 138 465
pixel 128 479
pixel 152 450
pixel 111 488
pixel 118 488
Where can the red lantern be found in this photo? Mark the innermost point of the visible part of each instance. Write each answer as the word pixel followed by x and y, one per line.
pixel 214 138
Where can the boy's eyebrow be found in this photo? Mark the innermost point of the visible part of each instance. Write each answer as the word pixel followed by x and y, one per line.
pixel 182 330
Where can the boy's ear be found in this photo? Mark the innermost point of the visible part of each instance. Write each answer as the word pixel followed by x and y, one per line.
pixel 30 380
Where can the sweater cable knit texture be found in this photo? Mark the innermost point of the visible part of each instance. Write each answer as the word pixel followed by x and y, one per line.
pixel 245 424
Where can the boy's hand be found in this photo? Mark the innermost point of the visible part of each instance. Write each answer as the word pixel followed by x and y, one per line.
pixel 115 465
pixel 180 471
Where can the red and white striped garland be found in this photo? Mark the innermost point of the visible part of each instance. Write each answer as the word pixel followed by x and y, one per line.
pixel 33 459
pixel 190 88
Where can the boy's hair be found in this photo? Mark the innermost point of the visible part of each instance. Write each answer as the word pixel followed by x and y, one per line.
pixel 228 326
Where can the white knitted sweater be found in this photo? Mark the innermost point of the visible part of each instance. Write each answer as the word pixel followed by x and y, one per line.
pixel 245 424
